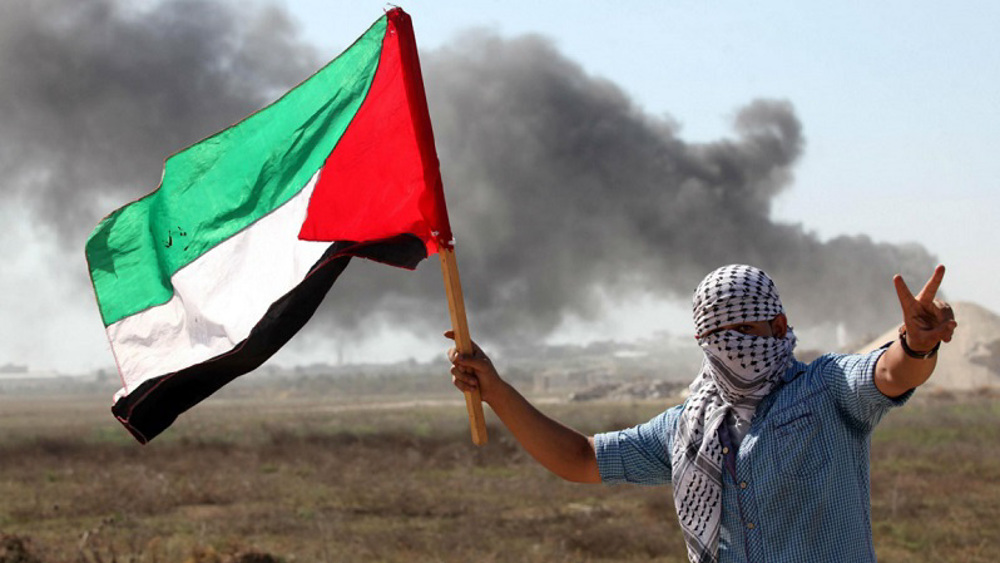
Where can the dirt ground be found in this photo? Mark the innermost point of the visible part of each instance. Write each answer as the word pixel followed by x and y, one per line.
pixel 244 481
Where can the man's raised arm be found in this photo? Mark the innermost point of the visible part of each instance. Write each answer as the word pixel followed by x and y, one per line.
pixel 562 450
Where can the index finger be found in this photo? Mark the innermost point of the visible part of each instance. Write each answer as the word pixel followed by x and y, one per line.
pixel 903 292
pixel 930 289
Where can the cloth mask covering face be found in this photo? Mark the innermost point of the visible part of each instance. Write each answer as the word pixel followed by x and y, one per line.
pixel 738 371
pixel 744 368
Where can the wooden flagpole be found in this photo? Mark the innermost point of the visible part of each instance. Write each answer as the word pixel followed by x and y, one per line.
pixel 463 342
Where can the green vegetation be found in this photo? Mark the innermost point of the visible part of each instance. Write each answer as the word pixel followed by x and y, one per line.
pixel 298 479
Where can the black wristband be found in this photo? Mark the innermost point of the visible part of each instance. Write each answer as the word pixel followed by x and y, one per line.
pixel 913 353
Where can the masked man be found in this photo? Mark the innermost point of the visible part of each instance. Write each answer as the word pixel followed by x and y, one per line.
pixel 768 456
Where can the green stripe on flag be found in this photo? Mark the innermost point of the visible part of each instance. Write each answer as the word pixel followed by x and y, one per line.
pixel 219 186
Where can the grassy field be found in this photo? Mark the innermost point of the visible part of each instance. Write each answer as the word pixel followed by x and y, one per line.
pixel 303 480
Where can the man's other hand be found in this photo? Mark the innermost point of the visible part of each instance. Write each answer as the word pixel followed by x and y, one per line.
pixel 928 320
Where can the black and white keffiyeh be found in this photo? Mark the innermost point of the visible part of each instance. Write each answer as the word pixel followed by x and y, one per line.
pixel 738 371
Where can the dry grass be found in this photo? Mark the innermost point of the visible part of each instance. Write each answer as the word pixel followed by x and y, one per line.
pixel 294 480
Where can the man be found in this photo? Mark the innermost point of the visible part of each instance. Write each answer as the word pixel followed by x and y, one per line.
pixel 768 456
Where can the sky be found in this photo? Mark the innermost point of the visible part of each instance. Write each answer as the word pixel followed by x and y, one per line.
pixel 863 137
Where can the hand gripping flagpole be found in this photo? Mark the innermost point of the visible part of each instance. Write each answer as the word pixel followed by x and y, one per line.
pixel 463 342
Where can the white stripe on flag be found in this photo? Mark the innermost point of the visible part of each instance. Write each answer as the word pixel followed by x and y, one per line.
pixel 219 297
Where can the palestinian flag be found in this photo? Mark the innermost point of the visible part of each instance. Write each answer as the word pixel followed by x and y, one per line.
pixel 204 279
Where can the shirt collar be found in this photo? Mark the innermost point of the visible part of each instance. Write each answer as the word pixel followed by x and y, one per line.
pixel 796 369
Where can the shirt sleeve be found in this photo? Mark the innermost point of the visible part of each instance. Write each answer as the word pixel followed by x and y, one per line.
pixel 851 380
pixel 638 455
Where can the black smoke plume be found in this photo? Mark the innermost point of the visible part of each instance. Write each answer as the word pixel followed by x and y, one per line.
pixel 560 188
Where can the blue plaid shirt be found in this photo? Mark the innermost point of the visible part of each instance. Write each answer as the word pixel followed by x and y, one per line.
pixel 797 488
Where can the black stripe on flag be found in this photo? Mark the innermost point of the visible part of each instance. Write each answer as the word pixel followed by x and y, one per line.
pixel 154 405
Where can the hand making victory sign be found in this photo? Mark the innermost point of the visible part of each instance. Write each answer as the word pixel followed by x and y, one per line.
pixel 927 322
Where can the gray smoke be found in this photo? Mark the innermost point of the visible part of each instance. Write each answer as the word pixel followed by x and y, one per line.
pixel 95 95
pixel 560 188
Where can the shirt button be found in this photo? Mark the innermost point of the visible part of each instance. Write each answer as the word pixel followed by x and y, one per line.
pixel 750 525
pixel 743 485
pixel 725 450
